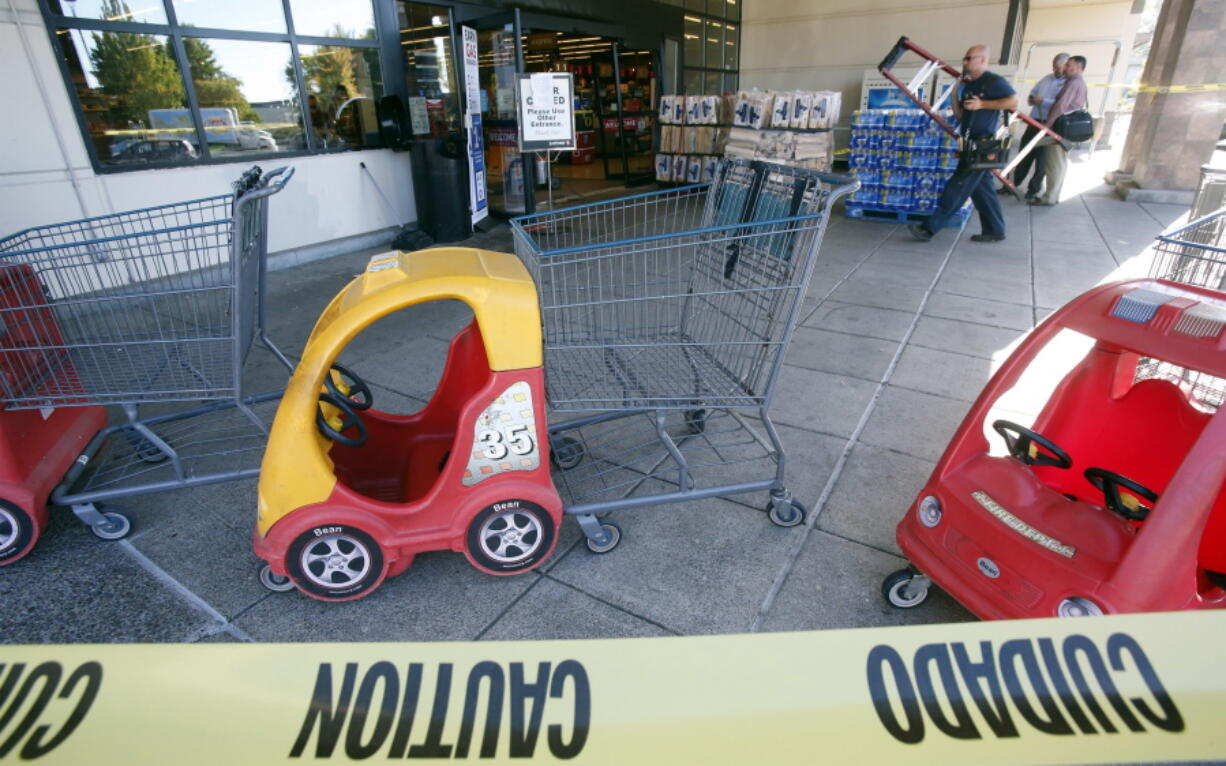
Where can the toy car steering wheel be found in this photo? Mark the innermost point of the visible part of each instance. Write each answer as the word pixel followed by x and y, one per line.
pixel 1109 482
pixel 359 395
pixel 1019 445
pixel 349 419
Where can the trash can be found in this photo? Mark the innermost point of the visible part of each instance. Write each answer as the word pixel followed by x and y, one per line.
pixel 440 188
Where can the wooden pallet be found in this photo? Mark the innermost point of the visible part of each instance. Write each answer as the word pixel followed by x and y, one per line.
pixel 867 213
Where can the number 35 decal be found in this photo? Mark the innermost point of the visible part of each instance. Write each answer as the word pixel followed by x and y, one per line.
pixel 515 439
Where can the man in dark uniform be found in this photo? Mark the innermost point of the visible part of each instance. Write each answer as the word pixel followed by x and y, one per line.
pixel 978 103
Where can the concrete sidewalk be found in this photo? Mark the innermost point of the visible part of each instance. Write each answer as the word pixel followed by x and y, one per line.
pixel 897 338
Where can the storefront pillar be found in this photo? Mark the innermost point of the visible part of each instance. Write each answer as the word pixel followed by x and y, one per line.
pixel 1175 124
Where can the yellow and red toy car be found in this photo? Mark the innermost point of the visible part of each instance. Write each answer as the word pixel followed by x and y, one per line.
pixel 348 499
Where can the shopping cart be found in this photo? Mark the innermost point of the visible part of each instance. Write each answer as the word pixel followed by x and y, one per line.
pixel 666 317
pixel 150 307
pixel 1194 254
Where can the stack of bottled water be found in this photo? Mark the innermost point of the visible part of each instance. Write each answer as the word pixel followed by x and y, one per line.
pixel 902 159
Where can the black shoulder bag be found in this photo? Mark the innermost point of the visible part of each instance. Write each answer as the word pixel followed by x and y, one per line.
pixel 1075 126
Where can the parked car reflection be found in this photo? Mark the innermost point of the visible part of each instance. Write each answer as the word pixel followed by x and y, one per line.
pixel 148 150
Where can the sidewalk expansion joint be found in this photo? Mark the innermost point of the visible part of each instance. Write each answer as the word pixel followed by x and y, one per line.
pixel 798 543
pixel 164 577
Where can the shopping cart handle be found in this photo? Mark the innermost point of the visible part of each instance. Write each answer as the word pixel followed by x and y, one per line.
pixel 268 189
pixel 287 170
pixel 895 54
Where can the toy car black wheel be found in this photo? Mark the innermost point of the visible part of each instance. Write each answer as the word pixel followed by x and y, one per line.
pixel 16 532
pixel 511 536
pixel 273 581
pixel 335 562
pixel 901 591
pixel 786 513
pixel 566 453
pixel 114 527
pixel 614 534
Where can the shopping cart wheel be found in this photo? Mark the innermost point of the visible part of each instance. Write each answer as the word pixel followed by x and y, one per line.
pixel 16 532
pixel 273 581
pixel 115 526
pixel 696 421
pixel 511 536
pixel 336 562
pixel 904 589
pixel 615 536
pixel 566 453
pixel 786 513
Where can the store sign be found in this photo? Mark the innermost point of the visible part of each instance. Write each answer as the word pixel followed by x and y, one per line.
pixel 478 203
pixel 546 112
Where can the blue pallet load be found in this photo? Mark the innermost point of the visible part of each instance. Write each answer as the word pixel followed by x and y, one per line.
pixel 903 160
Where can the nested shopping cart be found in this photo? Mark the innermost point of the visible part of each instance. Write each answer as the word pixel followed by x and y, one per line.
pixel 1194 254
pixel 154 311
pixel 666 317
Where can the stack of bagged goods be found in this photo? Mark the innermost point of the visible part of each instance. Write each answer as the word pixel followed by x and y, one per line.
pixel 787 127
pixel 902 160
pixel 693 131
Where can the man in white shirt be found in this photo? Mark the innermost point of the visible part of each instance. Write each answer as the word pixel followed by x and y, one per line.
pixel 1042 96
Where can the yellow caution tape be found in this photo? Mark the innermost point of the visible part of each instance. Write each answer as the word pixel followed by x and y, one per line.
pixel 1202 88
pixel 1136 688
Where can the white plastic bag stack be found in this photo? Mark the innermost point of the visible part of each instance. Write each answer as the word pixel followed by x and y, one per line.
pixel 826 107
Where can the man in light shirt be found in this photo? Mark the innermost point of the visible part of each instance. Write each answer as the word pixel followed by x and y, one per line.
pixel 1073 96
pixel 1042 96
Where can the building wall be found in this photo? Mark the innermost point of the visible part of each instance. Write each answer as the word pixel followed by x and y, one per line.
pixel 801 44
pixel 46 176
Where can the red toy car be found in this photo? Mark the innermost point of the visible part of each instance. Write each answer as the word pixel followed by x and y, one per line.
pixel 1113 501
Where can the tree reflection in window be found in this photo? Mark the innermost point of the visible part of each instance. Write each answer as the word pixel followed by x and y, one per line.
pixel 342 84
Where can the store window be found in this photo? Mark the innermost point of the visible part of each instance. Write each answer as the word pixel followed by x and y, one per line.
pixel 425 37
pixel 161 83
pixel 712 42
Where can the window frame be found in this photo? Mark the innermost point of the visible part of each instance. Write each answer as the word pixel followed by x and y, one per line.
pixel 175 33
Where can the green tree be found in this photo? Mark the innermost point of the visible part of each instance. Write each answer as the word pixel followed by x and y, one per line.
pixel 214 86
pixel 133 71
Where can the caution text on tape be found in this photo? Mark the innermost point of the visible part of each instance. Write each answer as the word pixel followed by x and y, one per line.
pixel 1117 689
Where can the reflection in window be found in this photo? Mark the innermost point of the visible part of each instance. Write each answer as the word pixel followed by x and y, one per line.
pixel 429 68
pixel 693 82
pixel 730 48
pixel 693 41
pixel 247 15
pixel 342 85
pixel 352 19
pixel 132 96
pixel 715 44
pixel 246 101
pixel 142 11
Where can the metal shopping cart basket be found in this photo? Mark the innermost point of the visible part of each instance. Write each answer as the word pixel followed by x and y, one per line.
pixel 1193 254
pixel 152 307
pixel 666 317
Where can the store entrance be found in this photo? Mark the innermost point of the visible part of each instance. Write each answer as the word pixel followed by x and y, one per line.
pixel 615 98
